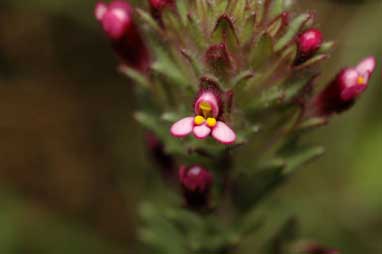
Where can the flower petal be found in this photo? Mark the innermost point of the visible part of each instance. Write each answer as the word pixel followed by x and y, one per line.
pixel 224 134
pixel 182 127
pixel 207 97
pixel 366 66
pixel 350 88
pixel 201 131
pixel 348 78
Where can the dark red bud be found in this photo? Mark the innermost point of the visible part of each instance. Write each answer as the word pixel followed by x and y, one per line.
pixel 117 22
pixel 196 184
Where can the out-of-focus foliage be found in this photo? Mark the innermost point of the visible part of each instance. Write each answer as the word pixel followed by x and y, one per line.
pixel 73 154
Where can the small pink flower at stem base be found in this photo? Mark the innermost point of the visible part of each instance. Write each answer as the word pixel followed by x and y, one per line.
pixel 196 183
pixel 345 89
pixel 308 43
pixel 208 108
pixel 117 22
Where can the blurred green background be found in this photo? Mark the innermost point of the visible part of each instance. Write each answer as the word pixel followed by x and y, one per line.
pixel 72 159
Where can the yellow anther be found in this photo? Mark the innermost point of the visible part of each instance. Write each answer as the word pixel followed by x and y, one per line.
pixel 205 107
pixel 198 120
pixel 211 122
pixel 361 80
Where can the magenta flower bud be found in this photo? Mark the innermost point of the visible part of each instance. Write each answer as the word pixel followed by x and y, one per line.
pixel 344 90
pixel 308 43
pixel 207 120
pixel 116 19
pixel 196 183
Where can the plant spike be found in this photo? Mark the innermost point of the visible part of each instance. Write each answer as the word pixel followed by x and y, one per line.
pixel 227 88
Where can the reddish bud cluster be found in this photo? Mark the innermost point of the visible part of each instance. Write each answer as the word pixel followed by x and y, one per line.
pixel 196 184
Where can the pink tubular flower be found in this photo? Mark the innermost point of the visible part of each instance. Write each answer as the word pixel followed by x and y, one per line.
pixel 208 108
pixel 196 183
pixel 343 91
pixel 117 22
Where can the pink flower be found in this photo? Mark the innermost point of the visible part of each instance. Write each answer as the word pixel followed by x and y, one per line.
pixel 116 19
pixel 196 183
pixel 343 91
pixel 208 108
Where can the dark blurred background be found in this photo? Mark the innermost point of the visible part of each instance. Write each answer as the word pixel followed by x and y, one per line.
pixel 72 159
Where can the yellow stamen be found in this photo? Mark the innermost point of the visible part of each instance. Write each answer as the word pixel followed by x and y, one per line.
pixel 211 122
pixel 361 80
pixel 198 120
pixel 206 108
